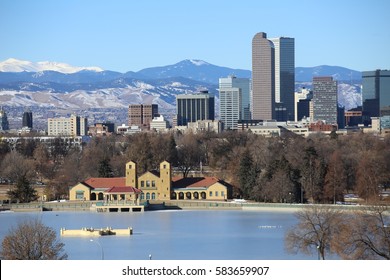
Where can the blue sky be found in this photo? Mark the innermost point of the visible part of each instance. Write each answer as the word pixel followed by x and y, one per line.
pixel 127 35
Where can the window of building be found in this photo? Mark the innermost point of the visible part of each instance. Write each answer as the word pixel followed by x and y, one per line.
pixel 142 184
pixel 211 193
pixel 80 195
pixel 142 196
pixel 153 184
pixel 216 193
pixel 147 196
pixel 147 183
pixel 153 196
pixel 223 193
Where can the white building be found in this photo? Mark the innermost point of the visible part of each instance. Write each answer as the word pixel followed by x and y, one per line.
pixel 159 124
pixel 245 85
pixel 230 106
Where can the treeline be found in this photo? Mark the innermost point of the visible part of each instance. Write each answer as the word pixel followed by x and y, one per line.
pixel 318 169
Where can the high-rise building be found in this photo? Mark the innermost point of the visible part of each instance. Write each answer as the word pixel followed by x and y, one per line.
pixel 376 94
pixel 4 124
pixel 141 114
pixel 284 77
pixel 194 107
pixel 325 100
pixel 73 126
pixel 230 100
pixel 245 85
pixel 302 104
pixel 27 120
pixel 263 78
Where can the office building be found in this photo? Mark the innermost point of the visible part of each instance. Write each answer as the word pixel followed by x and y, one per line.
pixel 141 115
pixel 4 124
pixel 245 85
pixel 325 100
pixel 230 100
pixel 73 126
pixel 159 124
pixel 376 94
pixel 284 77
pixel 27 120
pixel 302 104
pixel 194 107
pixel 263 78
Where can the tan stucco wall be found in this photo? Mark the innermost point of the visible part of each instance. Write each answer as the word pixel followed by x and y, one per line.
pixel 79 187
pixel 218 192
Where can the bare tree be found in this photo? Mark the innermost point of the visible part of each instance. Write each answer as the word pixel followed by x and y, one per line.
pixel 317 225
pixel 335 179
pixel 15 166
pixel 367 234
pixel 189 154
pixel 32 240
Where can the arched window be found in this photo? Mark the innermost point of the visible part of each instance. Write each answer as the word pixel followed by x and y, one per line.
pixel 153 196
pixel 147 196
pixel 142 196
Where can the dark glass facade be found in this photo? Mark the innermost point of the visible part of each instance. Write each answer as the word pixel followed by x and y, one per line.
pixel 376 94
pixel 27 120
pixel 194 107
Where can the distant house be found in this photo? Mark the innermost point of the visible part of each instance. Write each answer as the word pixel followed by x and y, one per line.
pixel 151 185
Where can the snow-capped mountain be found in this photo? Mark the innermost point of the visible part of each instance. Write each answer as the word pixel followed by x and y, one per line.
pixel 15 65
pixel 24 83
pixel 194 69
pixel 304 74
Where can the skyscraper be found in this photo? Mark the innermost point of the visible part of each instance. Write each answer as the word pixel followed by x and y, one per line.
pixel 230 106
pixel 325 100
pixel 284 76
pixel 263 77
pixel 245 85
pixel 376 94
pixel 27 119
pixel 194 107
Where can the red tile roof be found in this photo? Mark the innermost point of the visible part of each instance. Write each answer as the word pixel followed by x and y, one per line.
pixel 193 182
pixel 123 190
pixel 106 182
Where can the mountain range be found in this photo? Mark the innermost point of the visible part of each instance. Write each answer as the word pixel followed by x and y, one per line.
pixel 60 85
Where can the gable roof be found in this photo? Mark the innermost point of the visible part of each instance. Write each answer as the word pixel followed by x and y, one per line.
pixel 105 182
pixel 194 182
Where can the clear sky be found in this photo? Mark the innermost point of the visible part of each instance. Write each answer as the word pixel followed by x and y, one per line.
pixel 129 35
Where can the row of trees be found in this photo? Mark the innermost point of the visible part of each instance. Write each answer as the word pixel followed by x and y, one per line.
pixel 350 234
pixel 317 169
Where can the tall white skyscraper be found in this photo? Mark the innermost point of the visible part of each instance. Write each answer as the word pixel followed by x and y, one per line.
pixel 245 85
pixel 230 106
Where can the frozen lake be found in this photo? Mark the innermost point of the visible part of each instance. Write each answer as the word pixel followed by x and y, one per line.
pixel 172 235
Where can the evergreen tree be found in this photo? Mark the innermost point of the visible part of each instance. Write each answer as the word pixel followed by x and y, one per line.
pixel 247 174
pixel 173 156
pixel 23 192
pixel 105 169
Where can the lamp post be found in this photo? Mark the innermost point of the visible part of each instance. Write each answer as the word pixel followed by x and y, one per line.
pixel 100 245
pixel 318 252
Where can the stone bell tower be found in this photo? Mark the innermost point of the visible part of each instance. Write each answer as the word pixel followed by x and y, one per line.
pixel 131 174
pixel 166 180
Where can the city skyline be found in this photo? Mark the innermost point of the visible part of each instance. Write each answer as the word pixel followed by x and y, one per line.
pixel 129 36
